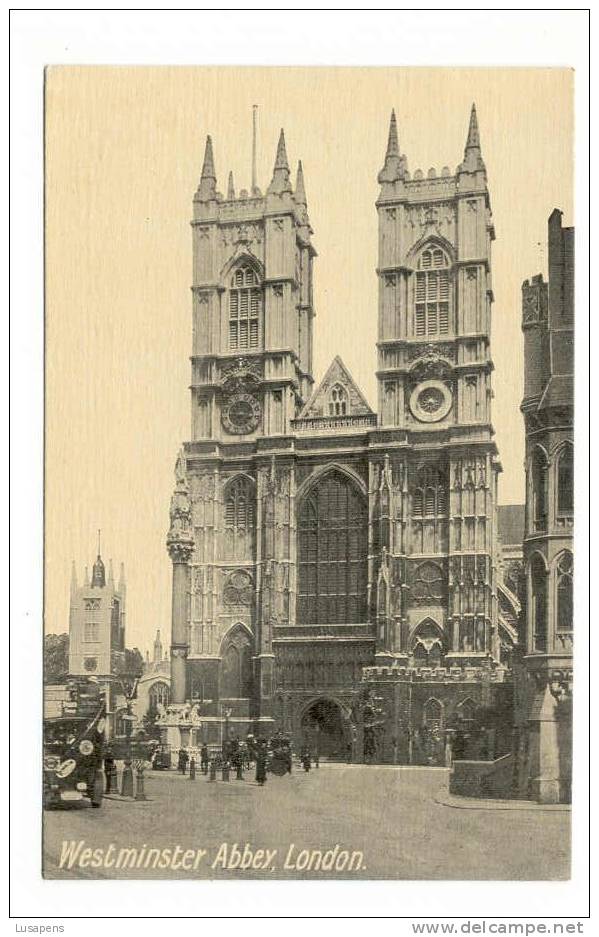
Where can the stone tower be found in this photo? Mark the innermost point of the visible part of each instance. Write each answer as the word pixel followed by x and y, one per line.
pixel 251 376
pixel 435 497
pixel 252 305
pixel 548 408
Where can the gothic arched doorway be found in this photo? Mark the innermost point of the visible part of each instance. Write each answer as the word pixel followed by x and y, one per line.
pixel 323 729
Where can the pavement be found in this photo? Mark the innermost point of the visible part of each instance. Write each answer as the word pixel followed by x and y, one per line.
pixel 337 821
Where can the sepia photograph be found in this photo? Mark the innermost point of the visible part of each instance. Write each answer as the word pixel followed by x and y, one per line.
pixel 309 473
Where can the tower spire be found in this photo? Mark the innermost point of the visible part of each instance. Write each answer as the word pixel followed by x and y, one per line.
pixel 472 153
pixel 207 187
pixel 394 165
pixel 280 178
pixel 73 578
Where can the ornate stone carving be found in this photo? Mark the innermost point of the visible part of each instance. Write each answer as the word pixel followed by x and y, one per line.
pixel 179 540
pixel 238 589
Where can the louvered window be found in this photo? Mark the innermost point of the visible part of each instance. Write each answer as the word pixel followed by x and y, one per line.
pixel 332 554
pixel 238 506
pixel 429 498
pixel 245 310
pixel 432 294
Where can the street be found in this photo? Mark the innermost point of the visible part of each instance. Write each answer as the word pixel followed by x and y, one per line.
pixel 338 821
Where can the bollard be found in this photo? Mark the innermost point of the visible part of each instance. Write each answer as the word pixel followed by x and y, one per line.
pixel 212 775
pixel 140 793
pixel 108 776
pixel 226 771
pixel 239 775
pixel 192 769
pixel 127 780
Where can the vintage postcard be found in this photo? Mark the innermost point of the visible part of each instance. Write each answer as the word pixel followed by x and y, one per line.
pixel 309 473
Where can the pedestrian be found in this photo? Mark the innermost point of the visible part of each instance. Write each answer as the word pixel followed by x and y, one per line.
pixel 261 756
pixel 109 768
pixel 183 759
pixel 204 758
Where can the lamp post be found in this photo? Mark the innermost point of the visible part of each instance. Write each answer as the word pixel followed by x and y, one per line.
pixel 226 713
pixel 127 779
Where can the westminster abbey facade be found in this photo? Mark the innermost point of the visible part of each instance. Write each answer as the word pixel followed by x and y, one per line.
pixel 315 542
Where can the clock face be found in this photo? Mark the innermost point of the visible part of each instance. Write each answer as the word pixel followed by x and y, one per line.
pixel 241 414
pixel 430 401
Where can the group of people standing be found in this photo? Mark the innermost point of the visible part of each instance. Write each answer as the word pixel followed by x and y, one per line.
pixel 274 755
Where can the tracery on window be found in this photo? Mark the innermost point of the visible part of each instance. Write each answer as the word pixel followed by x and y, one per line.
pixel 245 309
pixel 565 592
pixel 239 518
pixel 338 401
pixel 159 695
pixel 432 304
pixel 432 716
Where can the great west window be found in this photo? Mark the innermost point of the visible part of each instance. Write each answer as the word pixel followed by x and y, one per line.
pixel 332 553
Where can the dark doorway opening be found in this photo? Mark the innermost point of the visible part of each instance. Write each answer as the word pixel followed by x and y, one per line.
pixel 323 730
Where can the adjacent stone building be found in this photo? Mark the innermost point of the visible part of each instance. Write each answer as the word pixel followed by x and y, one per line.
pixel 312 537
pixel 545 689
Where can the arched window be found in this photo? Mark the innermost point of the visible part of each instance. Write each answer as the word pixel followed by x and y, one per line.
pixel 120 722
pixel 427 644
pixel 332 553
pixel 433 714
pixel 565 481
pixel 239 517
pixel 338 403
pixel 467 709
pixel 159 695
pixel 236 665
pixel 432 293
pixel 539 489
pixel 565 572
pixel 245 309
pixel 538 582
pixel 429 498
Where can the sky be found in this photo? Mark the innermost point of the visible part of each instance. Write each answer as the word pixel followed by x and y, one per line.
pixel 124 150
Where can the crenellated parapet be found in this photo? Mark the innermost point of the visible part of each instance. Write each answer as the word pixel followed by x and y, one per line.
pixel 436 674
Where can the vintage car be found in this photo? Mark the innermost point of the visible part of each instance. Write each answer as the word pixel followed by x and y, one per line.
pixel 73 748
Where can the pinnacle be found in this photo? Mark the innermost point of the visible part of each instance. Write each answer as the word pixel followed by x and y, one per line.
pixel 393 167
pixel 300 191
pixel 392 142
pixel 280 177
pixel 281 160
pixel 207 188
pixel 473 141
pixel 208 167
pixel 230 188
